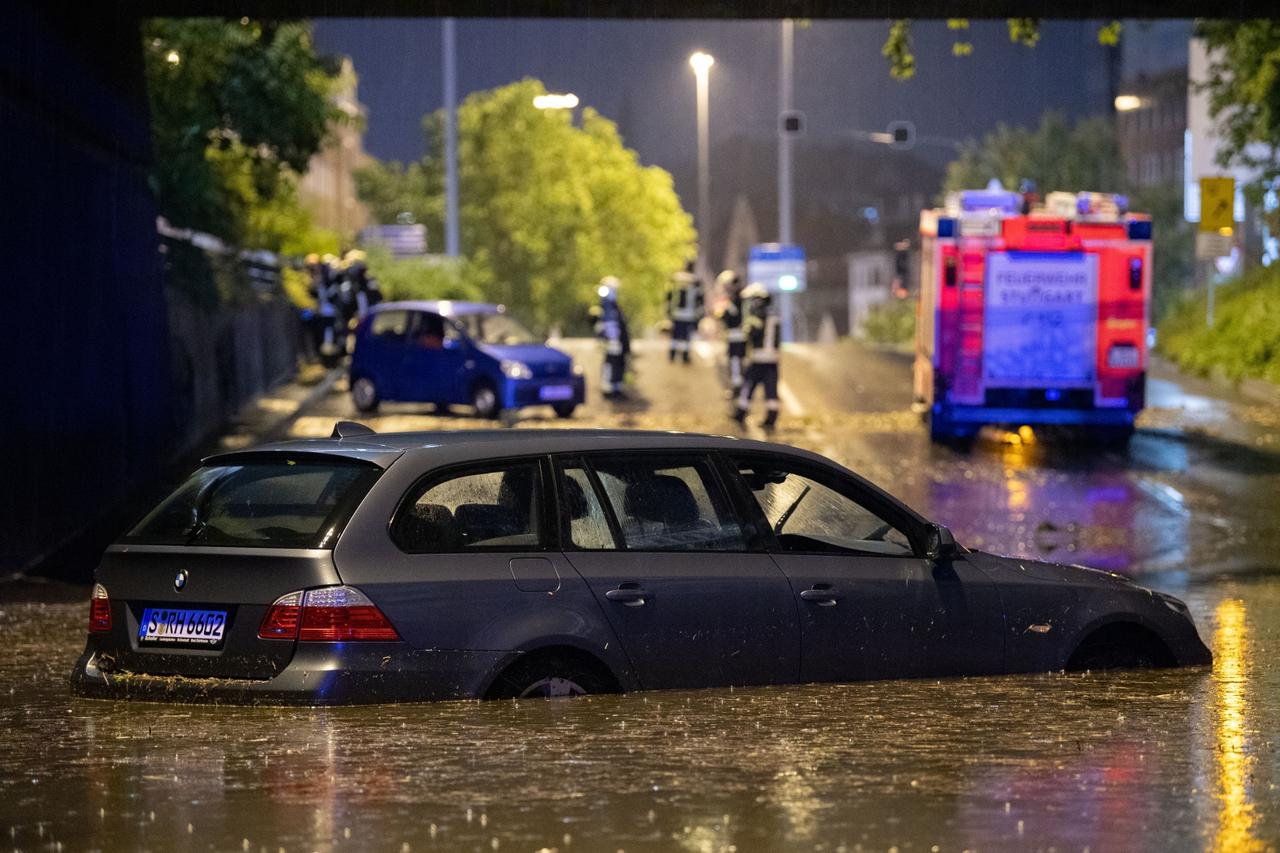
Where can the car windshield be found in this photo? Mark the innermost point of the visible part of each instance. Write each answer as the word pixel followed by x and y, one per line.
pixel 499 329
pixel 275 504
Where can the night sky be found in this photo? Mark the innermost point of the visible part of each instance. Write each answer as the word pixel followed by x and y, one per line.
pixel 637 73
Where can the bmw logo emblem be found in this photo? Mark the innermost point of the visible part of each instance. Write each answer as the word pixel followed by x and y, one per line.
pixel 180 580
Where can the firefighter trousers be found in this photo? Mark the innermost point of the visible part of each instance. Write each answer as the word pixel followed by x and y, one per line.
pixel 681 331
pixel 737 353
pixel 758 375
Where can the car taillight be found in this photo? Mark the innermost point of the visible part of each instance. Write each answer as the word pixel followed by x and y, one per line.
pixel 281 621
pixel 334 614
pixel 99 610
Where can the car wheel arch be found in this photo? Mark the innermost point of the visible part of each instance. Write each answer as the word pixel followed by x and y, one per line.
pixel 621 680
pixel 1129 631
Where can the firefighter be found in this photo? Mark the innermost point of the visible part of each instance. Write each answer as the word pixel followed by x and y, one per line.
pixel 611 328
pixel 364 289
pixel 763 338
pixel 730 283
pixel 684 310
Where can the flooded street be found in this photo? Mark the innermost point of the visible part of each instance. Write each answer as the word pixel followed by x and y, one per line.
pixel 1152 760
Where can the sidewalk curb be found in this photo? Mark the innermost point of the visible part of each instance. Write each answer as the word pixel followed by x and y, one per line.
pixel 280 428
pixel 1256 390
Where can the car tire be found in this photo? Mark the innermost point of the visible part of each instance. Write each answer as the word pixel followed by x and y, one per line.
pixel 564 410
pixel 484 397
pixel 547 676
pixel 1113 656
pixel 364 394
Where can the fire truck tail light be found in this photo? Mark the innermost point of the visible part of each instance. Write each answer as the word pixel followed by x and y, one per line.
pixel 1122 357
pixel 1135 273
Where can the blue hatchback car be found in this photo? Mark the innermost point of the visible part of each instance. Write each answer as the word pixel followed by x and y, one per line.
pixel 459 353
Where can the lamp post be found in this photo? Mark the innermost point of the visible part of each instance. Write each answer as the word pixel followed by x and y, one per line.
pixel 701 63
pixel 449 60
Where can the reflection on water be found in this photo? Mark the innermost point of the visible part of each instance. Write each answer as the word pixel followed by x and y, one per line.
pixel 1150 760
pixel 1230 647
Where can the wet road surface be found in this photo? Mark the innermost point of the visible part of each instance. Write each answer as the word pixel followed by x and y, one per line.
pixel 1153 760
pixel 1148 760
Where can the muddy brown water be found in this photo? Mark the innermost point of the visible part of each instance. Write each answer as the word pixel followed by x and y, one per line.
pixel 1154 760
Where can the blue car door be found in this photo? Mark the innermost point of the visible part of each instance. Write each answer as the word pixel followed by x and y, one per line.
pixel 434 361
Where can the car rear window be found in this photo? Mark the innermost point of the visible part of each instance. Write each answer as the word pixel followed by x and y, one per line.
pixel 285 503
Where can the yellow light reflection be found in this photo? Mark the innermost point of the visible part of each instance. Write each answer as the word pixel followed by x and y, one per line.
pixel 1235 809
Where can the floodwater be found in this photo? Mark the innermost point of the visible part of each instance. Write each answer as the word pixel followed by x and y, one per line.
pixel 1151 760
pixel 1148 760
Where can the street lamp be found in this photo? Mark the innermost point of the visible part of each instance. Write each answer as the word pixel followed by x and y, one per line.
pixel 552 101
pixel 701 64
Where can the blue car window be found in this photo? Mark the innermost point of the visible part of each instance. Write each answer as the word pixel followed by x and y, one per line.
pixel 662 505
pixel 490 509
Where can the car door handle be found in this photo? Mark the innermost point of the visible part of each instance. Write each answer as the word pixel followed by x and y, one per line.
pixel 821 594
pixel 630 596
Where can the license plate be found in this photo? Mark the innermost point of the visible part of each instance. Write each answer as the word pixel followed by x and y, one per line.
pixel 167 626
pixel 555 392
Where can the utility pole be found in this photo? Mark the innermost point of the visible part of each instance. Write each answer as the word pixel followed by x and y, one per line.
pixel 450 140
pixel 701 63
pixel 784 165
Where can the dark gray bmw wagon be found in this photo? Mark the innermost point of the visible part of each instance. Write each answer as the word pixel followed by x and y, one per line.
pixel 513 563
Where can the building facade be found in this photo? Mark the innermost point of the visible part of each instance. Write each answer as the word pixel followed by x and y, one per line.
pixel 328 189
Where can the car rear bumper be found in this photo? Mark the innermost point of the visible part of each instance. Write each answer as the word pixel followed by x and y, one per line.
pixel 318 674
pixel 977 415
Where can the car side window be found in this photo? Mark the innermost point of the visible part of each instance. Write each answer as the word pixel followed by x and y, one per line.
pixel 494 508
pixel 390 325
pixel 668 504
pixel 429 330
pixel 808 516
pixel 586 524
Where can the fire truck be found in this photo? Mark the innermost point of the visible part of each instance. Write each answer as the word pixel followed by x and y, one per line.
pixel 1032 314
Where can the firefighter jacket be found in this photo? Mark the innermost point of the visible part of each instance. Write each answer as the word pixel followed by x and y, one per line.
pixel 731 317
pixel 612 330
pixel 763 337
pixel 684 298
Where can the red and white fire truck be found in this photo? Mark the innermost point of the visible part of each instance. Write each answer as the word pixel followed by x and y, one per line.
pixel 1032 316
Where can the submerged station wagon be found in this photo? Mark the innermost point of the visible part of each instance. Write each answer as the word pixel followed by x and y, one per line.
pixel 459 353
pixel 424 566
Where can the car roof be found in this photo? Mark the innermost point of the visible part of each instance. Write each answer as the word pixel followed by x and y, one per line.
pixel 444 307
pixel 384 448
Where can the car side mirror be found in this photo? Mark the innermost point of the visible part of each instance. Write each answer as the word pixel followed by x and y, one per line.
pixel 939 544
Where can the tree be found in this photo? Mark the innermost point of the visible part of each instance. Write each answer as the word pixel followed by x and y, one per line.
pixel 1057 155
pixel 237 111
pixel 1024 31
pixel 1243 84
pixel 546 208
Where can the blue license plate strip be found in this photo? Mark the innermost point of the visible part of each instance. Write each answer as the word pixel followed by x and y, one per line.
pixel 555 392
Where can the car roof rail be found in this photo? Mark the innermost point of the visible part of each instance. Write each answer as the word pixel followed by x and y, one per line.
pixel 350 429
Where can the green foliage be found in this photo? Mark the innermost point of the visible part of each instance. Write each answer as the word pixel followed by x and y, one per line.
pixel 1109 34
pixel 897 49
pixel 237 110
pixel 893 322
pixel 1243 84
pixel 546 208
pixel 1056 155
pixel 1024 31
pixel 1173 244
pixel 416 278
pixel 1245 338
